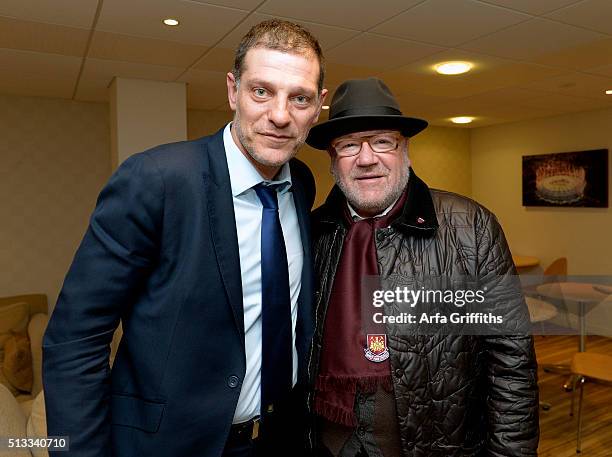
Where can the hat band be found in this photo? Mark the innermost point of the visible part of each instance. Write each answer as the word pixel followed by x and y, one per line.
pixel 368 111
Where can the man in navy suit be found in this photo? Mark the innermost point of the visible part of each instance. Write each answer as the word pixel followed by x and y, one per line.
pixel 174 252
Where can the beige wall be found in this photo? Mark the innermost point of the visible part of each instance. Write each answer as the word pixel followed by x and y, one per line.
pixel 441 157
pixel 54 159
pixel 580 234
pixel 145 114
pixel 202 122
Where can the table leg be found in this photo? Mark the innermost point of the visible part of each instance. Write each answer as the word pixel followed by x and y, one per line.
pixel 570 384
pixel 582 319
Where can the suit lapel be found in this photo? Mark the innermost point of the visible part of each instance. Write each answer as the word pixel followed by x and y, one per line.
pixel 303 213
pixel 223 225
pixel 305 323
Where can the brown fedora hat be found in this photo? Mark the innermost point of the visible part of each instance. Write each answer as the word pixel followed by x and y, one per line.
pixel 359 105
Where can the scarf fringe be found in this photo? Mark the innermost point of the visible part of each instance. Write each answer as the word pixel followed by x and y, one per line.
pixel 334 413
pixel 352 384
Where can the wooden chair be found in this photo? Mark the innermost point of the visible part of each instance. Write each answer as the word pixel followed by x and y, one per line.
pixel 552 273
pixel 558 267
pixel 588 366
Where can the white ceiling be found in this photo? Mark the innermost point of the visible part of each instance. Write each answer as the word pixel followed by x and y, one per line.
pixel 533 58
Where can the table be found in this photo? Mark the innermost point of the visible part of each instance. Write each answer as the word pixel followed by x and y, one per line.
pixel 540 310
pixel 607 290
pixel 525 261
pixel 583 294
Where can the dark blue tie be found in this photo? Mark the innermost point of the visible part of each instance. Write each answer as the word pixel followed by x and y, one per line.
pixel 277 346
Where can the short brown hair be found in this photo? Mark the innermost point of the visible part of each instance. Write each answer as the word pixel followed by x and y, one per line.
pixel 282 36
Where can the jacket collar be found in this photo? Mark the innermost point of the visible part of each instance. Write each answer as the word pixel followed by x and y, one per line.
pixel 220 208
pixel 418 214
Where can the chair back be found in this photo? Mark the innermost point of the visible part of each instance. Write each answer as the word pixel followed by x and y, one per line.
pixel 37 303
pixel 558 267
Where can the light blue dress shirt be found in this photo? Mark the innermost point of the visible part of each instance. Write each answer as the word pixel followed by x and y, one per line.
pixel 248 211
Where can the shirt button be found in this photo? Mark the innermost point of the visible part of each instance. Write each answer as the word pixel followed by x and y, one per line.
pixel 362 399
pixel 361 430
pixel 233 381
pixel 399 373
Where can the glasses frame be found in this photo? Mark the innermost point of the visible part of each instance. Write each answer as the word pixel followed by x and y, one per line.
pixel 367 139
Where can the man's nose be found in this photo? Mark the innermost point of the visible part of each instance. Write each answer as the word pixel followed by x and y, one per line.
pixel 279 112
pixel 366 157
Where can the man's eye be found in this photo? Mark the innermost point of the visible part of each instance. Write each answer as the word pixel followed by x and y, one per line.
pixel 302 99
pixel 383 141
pixel 260 92
pixel 346 146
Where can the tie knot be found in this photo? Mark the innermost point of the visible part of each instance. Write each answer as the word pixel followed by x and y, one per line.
pixel 267 195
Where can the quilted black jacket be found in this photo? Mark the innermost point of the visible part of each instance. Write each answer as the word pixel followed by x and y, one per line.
pixel 456 395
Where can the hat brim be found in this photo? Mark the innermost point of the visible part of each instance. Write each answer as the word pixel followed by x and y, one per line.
pixel 322 134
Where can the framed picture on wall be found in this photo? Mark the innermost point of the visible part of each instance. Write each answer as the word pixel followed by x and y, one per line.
pixel 566 179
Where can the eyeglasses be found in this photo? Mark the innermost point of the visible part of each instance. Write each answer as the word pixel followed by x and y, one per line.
pixel 383 142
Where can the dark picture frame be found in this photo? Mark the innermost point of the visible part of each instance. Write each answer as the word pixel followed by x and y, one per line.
pixel 566 179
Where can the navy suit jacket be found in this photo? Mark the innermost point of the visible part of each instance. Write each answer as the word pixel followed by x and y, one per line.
pixel 161 255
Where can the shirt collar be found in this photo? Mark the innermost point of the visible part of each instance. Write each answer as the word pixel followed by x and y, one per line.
pixel 356 217
pixel 243 175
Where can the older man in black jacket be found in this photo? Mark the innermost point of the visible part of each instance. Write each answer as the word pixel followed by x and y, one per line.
pixel 388 390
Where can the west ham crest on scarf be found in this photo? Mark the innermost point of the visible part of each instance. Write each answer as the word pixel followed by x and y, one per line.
pixel 377 350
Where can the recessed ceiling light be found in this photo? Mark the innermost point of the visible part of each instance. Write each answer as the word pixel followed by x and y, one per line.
pixel 171 22
pixel 325 107
pixel 453 68
pixel 609 92
pixel 461 120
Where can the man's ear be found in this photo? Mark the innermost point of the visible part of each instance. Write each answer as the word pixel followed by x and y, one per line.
pixel 322 98
pixel 232 90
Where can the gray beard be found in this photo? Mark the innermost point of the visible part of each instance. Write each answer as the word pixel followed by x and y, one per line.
pixel 373 207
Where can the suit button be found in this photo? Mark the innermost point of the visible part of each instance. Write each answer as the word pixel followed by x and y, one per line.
pixel 362 399
pixel 399 373
pixel 361 430
pixel 233 381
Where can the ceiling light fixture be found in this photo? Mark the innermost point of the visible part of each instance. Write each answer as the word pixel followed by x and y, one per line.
pixel 461 120
pixel 453 68
pixel 171 22
pixel 609 92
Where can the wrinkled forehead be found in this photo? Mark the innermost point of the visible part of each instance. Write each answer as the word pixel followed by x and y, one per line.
pixel 279 66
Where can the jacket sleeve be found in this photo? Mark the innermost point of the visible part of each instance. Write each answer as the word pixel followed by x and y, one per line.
pixel 117 252
pixel 512 397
